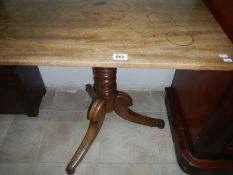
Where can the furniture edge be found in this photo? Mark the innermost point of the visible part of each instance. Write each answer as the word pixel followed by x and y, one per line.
pixel 188 162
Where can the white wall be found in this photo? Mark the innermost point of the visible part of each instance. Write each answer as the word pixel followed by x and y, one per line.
pixel 71 78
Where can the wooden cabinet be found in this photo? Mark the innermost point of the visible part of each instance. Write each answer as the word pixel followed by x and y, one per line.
pixel 200 107
pixel 222 10
pixel 21 90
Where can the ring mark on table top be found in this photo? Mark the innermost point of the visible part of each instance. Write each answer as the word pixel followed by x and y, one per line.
pixel 138 25
pixel 158 18
pixel 180 38
pixel 146 23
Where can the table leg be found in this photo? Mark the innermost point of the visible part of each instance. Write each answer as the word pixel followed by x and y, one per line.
pixel 122 103
pixel 96 115
pixel 90 90
pixel 107 99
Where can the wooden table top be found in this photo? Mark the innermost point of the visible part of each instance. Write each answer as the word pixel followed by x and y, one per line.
pixel 177 34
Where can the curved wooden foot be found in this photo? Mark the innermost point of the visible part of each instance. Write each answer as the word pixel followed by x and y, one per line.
pixel 122 103
pixel 96 115
pixel 91 91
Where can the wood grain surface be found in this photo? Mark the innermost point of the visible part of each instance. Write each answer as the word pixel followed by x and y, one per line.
pixel 177 34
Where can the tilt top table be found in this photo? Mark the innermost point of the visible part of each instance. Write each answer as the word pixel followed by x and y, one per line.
pixel 177 34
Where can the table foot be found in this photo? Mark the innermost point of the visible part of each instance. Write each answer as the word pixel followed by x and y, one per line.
pixel 96 115
pixel 122 103
pixel 90 90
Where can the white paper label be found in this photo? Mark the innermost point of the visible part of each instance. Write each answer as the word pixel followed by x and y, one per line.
pixel 227 60
pixel 120 57
pixel 223 56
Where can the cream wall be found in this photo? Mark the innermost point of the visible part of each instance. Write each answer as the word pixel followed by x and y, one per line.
pixel 138 79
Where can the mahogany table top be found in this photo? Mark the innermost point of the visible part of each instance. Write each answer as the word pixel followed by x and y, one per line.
pixel 177 34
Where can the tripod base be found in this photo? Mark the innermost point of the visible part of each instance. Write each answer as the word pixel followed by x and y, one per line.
pixel 106 99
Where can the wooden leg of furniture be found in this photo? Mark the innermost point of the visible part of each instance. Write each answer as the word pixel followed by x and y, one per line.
pixel 96 115
pixel 106 99
pixel 90 90
pixel 122 103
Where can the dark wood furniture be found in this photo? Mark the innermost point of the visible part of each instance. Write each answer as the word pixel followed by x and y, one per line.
pixel 222 11
pixel 200 107
pixel 21 90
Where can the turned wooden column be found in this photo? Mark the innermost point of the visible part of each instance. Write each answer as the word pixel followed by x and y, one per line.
pixel 105 86
pixel 106 99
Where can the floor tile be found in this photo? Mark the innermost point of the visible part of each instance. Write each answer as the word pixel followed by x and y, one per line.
pixel 67 101
pixel 47 100
pixel 123 141
pixel 172 169
pixel 5 122
pixel 166 149
pixel 130 169
pixel 23 138
pixel 15 169
pixel 142 101
pixel 159 101
pixel 59 169
pixel 63 135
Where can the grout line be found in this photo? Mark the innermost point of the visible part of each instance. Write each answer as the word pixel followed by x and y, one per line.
pixel 65 162
pixel 84 111
pixel 150 94
pixel 137 163
pixel 82 88
pixel 152 99
pixel 54 98
pixel 160 154
pixel 35 161
pixel 13 162
pixel 14 117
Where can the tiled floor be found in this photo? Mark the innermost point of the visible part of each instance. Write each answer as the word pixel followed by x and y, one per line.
pixel 44 145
